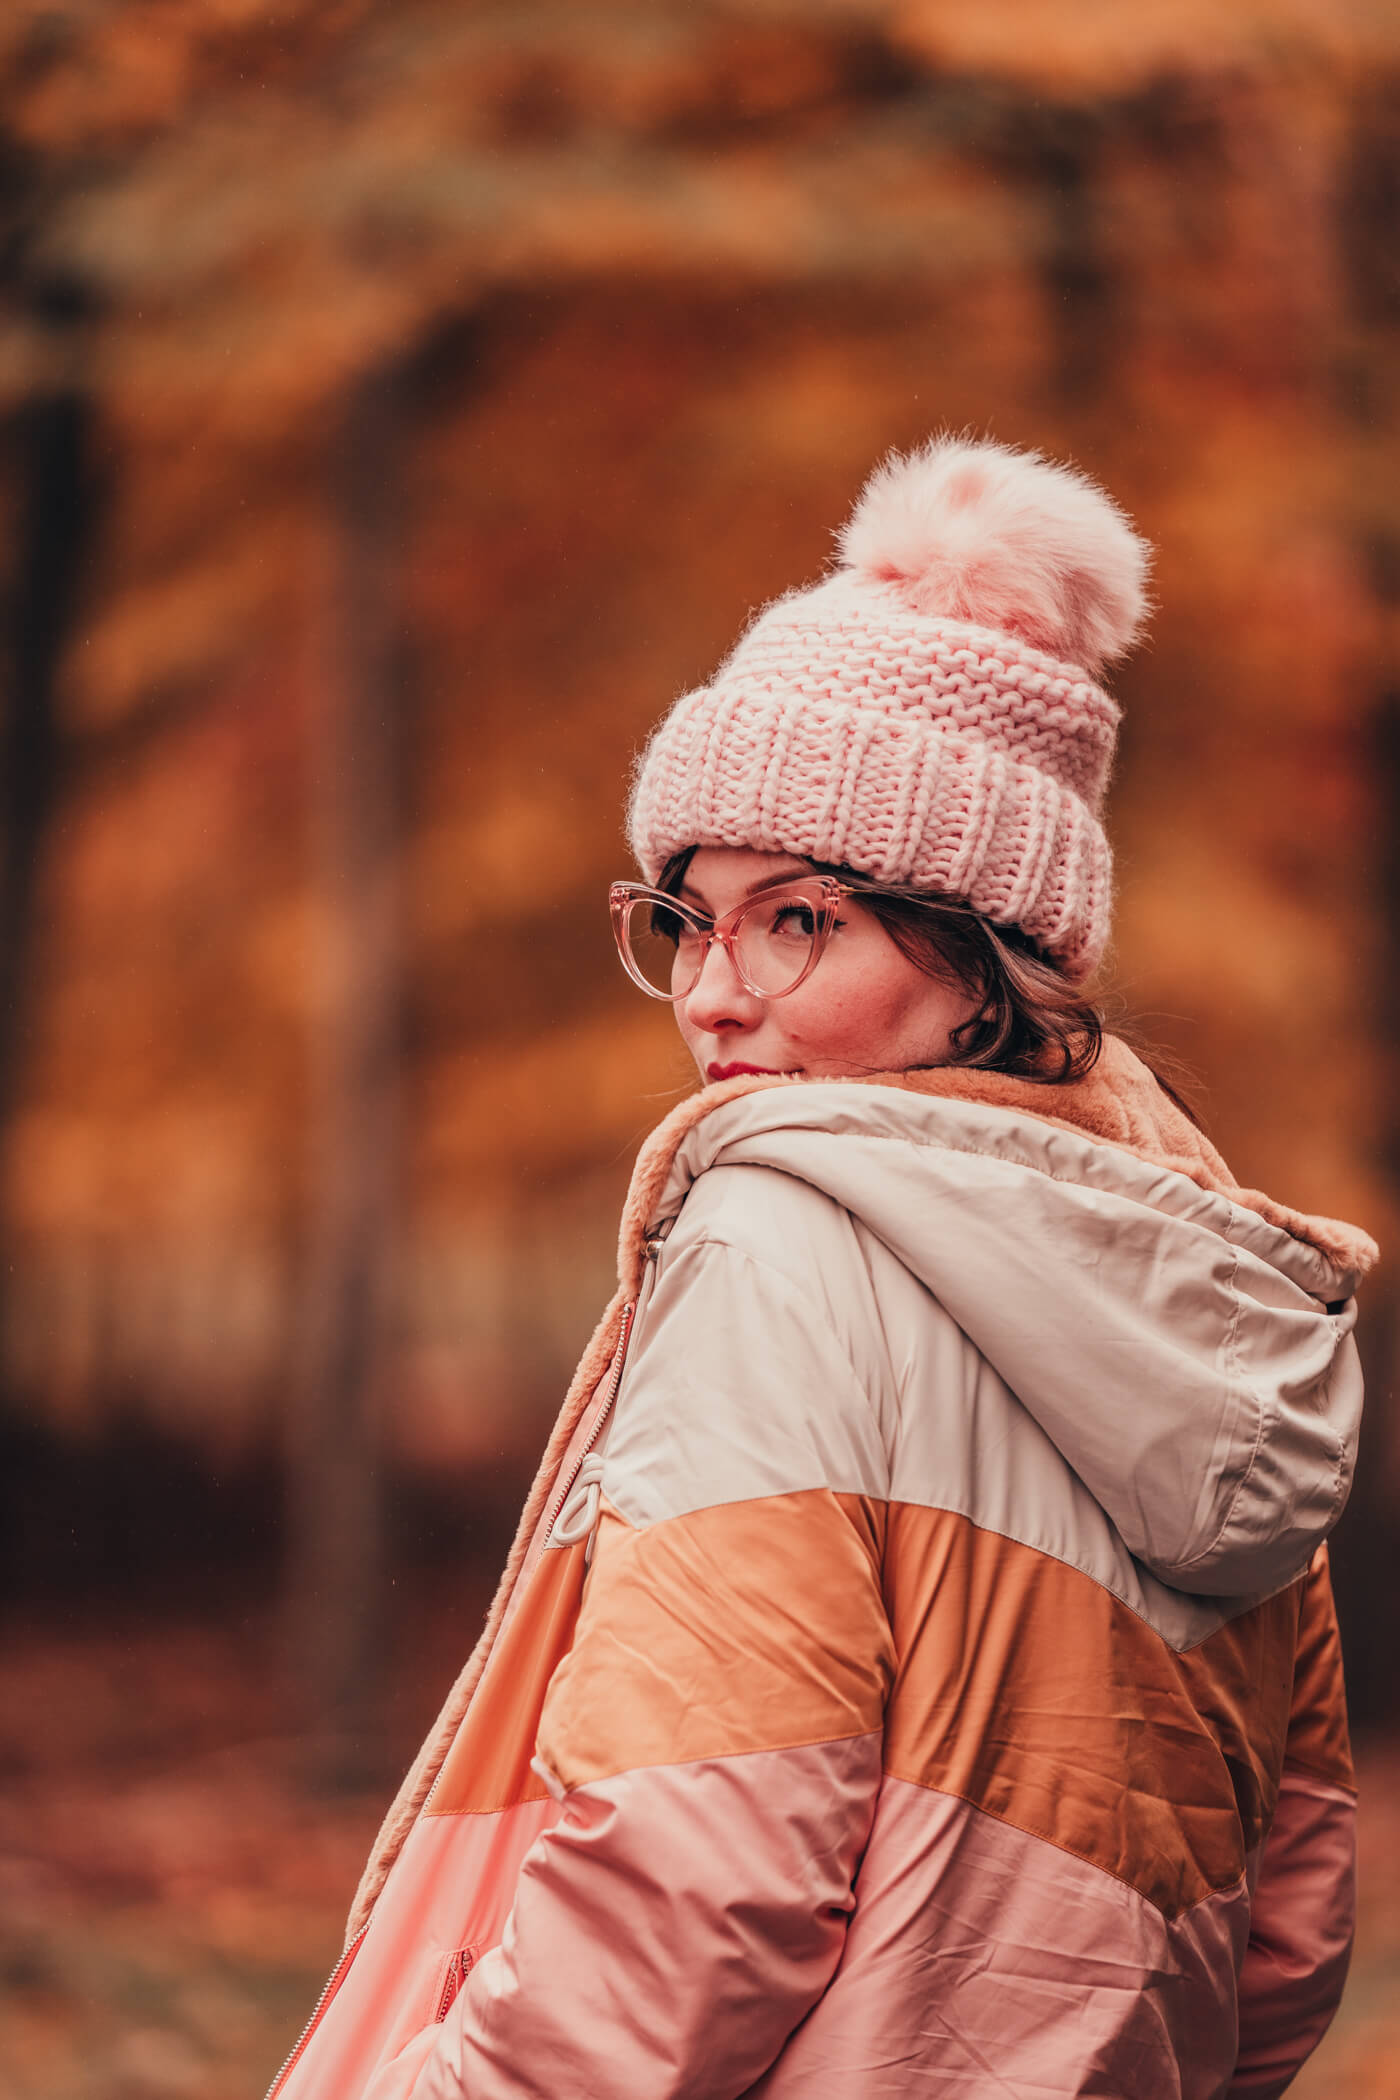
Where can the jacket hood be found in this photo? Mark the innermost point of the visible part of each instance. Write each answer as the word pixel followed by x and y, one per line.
pixel 1185 1343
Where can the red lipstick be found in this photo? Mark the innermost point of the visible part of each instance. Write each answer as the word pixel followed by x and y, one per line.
pixel 713 1072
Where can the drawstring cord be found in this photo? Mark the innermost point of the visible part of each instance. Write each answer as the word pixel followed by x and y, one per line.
pixel 578 1518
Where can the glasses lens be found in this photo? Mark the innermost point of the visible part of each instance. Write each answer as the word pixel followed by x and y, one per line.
pixel 663 946
pixel 776 938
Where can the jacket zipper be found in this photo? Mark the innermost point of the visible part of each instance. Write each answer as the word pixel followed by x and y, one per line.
pixel 331 1986
pixel 629 1316
pixel 458 1970
pixel 600 1421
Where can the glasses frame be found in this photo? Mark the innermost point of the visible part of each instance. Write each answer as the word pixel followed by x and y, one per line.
pixel 623 896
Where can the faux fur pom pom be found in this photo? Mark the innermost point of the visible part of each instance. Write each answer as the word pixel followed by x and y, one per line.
pixel 976 531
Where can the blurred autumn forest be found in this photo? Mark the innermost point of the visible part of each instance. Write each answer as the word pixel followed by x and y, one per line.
pixel 399 405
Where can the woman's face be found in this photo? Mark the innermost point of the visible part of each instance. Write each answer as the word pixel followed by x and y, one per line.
pixel 865 1008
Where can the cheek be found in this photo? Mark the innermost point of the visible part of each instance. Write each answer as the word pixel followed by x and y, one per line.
pixel 876 1010
pixel 862 1003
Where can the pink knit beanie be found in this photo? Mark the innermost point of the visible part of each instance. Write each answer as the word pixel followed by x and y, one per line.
pixel 928 714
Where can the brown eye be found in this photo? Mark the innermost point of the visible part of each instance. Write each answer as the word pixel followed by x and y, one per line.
pixel 797 921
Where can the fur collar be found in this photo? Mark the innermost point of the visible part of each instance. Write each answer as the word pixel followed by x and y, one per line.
pixel 1121 1103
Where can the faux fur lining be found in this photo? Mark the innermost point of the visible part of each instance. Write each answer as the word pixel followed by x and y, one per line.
pixel 1119 1103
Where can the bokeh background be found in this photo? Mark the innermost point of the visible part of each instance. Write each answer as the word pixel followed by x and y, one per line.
pixel 401 401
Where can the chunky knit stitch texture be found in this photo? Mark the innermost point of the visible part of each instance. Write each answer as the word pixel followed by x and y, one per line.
pixel 857 723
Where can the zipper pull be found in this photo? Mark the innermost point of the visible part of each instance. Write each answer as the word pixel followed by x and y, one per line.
pixel 458 1969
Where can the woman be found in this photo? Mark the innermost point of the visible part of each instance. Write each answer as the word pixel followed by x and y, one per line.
pixel 916 1671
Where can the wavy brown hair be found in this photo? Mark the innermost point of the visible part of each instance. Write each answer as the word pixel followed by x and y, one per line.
pixel 1030 1020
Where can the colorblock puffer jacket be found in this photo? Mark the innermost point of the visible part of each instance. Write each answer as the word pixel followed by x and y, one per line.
pixel 917 1673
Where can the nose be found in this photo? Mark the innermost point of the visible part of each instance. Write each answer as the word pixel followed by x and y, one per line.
pixel 720 1000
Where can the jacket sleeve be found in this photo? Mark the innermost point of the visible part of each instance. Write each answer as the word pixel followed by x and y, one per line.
pixel 1304 1905
pixel 714 1734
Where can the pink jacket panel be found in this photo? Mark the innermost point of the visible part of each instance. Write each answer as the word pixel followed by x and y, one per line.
pixel 1300 1935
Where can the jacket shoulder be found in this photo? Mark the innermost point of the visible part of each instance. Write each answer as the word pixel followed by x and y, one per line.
pixel 769 1216
pixel 760 1363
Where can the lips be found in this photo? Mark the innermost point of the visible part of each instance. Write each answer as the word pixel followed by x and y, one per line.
pixel 715 1072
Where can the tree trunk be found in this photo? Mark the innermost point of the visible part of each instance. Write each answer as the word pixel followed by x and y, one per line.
pixel 49 459
pixel 335 1514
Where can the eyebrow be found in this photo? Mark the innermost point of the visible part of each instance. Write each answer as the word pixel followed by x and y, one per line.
pixel 764 882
